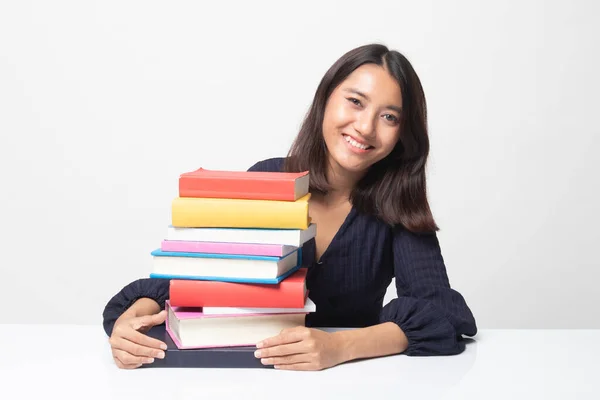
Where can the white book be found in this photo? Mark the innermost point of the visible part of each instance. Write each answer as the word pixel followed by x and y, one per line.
pixel 290 237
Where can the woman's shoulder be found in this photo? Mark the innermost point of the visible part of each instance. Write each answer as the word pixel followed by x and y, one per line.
pixel 274 164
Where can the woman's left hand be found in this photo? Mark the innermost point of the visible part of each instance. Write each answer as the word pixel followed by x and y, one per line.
pixel 301 348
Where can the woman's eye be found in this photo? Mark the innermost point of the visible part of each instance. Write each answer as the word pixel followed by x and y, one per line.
pixel 391 118
pixel 354 101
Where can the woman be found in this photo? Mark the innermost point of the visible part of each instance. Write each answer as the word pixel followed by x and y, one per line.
pixel 365 144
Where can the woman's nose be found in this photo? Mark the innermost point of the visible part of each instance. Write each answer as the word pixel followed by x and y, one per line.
pixel 365 124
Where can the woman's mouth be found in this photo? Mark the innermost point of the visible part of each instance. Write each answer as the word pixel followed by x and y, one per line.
pixel 356 146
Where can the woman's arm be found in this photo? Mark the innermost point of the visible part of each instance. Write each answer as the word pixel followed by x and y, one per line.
pixel 431 314
pixel 374 341
pixel 129 314
pixel 142 306
pixel 303 348
pixel 427 318
pixel 140 297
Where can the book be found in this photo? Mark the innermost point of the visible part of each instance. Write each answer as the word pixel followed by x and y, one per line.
pixel 289 293
pixel 287 237
pixel 224 267
pixel 190 328
pixel 212 357
pixel 254 249
pixel 309 306
pixel 190 212
pixel 287 186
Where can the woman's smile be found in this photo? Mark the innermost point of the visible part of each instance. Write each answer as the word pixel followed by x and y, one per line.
pixel 356 146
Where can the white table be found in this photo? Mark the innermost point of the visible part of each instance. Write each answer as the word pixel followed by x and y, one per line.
pixel 74 362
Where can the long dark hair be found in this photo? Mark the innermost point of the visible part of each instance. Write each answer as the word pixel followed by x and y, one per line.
pixel 394 188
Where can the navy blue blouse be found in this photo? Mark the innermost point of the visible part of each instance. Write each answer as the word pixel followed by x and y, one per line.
pixel 350 280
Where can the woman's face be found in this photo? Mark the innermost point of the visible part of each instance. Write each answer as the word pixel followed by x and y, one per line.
pixel 361 124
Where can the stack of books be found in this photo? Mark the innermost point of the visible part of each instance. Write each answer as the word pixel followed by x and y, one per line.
pixel 233 253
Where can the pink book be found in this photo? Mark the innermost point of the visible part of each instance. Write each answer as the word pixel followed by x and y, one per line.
pixel 253 249
pixel 189 328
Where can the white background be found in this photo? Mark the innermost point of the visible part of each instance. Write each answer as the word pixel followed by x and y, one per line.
pixel 104 103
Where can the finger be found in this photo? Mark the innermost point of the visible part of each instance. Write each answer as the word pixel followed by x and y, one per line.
pixel 281 350
pixel 120 343
pixel 148 321
pixel 286 336
pixel 285 360
pixel 130 359
pixel 123 366
pixel 142 339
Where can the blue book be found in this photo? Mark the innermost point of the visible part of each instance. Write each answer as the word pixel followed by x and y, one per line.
pixel 225 267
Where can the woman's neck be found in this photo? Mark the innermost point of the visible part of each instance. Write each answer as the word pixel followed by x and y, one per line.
pixel 341 182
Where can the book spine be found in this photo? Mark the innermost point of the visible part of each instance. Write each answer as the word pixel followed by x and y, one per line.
pixel 192 293
pixel 237 188
pixel 187 212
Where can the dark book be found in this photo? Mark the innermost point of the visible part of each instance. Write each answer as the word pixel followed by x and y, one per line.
pixel 220 357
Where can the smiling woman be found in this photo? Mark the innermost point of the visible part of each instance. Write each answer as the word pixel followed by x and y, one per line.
pixel 367 130
pixel 365 144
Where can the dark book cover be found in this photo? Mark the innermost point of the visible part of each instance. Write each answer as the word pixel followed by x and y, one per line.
pixel 221 357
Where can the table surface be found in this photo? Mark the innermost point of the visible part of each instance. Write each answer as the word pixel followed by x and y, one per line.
pixel 74 361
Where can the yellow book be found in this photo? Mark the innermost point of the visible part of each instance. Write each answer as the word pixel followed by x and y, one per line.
pixel 202 212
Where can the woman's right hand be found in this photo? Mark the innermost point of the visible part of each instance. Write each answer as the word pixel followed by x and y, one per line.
pixel 130 346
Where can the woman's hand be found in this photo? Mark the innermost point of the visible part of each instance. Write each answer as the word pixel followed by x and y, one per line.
pixel 130 346
pixel 302 348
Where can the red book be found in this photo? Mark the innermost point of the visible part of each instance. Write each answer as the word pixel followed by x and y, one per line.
pixel 289 293
pixel 253 185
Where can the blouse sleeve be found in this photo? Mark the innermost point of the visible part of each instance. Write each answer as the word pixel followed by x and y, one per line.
pixel 432 315
pixel 153 288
